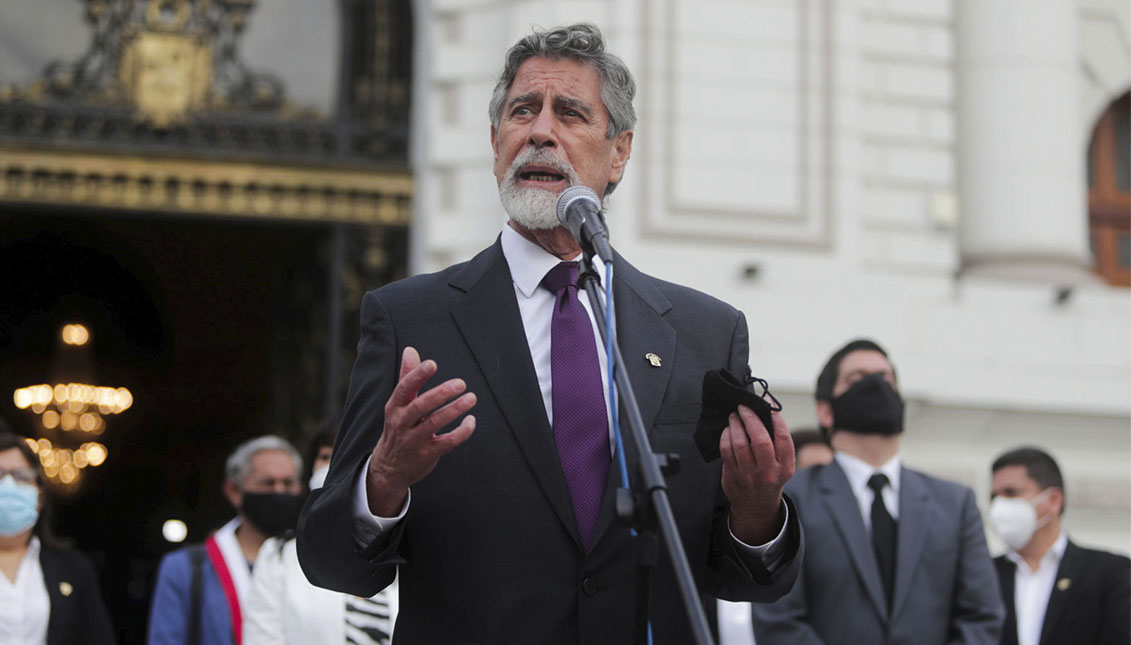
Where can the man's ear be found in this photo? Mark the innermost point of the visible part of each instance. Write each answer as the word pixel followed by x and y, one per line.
pixel 494 144
pixel 233 493
pixel 825 415
pixel 1056 500
pixel 622 150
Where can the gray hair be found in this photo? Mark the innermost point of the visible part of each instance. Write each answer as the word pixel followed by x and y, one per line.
pixel 581 42
pixel 238 466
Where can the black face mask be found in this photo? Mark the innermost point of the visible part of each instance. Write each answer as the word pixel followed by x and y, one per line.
pixel 272 513
pixel 870 406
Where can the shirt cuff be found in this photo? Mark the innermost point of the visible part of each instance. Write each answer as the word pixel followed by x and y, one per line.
pixel 367 527
pixel 769 553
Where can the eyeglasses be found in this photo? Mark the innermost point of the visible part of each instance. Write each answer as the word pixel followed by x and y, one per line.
pixel 22 475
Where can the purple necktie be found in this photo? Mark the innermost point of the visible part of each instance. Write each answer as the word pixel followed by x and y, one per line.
pixel 581 425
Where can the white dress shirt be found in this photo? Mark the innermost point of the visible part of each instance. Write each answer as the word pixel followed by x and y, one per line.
pixel 528 264
pixel 1032 588
pixel 859 472
pixel 24 604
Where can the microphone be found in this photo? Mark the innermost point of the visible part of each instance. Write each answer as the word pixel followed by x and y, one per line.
pixel 579 210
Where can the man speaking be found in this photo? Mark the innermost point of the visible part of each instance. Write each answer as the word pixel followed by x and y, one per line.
pixel 475 456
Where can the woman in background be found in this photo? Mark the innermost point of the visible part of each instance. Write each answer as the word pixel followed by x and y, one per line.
pixel 48 594
pixel 286 609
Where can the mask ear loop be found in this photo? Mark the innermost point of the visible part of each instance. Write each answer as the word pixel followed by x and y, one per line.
pixel 1037 500
pixel 773 402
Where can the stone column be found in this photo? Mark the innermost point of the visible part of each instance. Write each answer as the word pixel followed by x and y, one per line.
pixel 1020 165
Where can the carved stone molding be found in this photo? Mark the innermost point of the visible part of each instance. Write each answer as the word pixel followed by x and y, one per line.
pixel 197 187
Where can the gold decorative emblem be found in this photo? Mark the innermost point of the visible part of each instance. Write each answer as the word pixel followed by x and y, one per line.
pixel 653 359
pixel 1063 584
pixel 65 588
pixel 166 75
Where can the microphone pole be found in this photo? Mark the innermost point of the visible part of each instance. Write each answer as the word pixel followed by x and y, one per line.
pixel 652 507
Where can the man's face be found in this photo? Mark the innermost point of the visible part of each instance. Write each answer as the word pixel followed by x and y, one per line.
pixel 853 367
pixel 272 471
pixel 1014 481
pixel 552 136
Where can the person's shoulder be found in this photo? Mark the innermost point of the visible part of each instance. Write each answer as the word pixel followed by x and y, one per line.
pixel 938 486
pixel 802 483
pixel 179 561
pixel 681 297
pixel 67 558
pixel 412 287
pixel 1105 559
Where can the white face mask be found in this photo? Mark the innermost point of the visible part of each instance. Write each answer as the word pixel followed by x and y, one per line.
pixel 1014 519
pixel 318 477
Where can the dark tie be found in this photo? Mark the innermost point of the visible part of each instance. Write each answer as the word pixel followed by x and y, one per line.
pixel 581 425
pixel 883 534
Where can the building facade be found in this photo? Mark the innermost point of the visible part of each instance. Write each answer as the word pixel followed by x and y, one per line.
pixel 914 171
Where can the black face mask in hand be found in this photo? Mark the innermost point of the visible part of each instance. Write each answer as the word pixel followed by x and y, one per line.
pixel 272 513
pixel 870 406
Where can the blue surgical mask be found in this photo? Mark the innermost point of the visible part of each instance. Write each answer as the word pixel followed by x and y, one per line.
pixel 19 506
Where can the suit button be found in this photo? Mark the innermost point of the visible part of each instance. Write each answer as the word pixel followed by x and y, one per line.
pixel 589 586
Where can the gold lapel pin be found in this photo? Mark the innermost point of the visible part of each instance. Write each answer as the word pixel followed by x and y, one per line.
pixel 1063 584
pixel 653 359
pixel 65 588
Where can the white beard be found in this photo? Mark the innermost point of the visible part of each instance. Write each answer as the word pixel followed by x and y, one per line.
pixel 534 208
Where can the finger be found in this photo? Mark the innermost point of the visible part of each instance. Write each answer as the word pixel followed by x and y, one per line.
pixel 761 446
pixel 411 382
pixel 441 417
pixel 428 402
pixel 410 358
pixel 740 443
pixel 448 441
pixel 726 448
pixel 783 442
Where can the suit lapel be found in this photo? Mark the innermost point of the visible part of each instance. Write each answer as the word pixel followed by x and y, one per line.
pixel 914 520
pixel 841 504
pixel 640 329
pixel 1007 577
pixel 489 320
pixel 1070 569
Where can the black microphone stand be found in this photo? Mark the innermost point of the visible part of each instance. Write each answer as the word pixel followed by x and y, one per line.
pixel 650 508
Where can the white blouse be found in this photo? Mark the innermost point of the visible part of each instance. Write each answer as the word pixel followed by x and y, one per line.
pixel 24 604
pixel 284 608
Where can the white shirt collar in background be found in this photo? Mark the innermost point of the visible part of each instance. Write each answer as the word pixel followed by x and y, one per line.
pixel 859 472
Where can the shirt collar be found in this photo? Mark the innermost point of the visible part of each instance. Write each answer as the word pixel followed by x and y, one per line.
pixel 529 263
pixel 859 471
pixel 33 547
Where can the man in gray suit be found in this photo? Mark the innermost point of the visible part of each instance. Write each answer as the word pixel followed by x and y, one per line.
pixel 906 566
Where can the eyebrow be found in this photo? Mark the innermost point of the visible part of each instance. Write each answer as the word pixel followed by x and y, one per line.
pixel 559 101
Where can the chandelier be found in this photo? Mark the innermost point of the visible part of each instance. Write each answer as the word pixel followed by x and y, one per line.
pixel 73 414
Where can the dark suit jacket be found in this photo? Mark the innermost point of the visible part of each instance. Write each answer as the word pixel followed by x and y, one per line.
pixel 944 583
pixel 78 615
pixel 489 550
pixel 1092 608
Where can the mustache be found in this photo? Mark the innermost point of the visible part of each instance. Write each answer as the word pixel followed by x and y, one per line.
pixel 544 157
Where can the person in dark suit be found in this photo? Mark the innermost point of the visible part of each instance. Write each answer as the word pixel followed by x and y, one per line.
pixel 1055 592
pixel 507 535
pixel 905 565
pixel 48 593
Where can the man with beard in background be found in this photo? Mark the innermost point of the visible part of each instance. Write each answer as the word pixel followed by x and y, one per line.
pixel 893 555
pixel 501 524
pixel 200 588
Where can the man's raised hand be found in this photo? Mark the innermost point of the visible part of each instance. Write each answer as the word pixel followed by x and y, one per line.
pixel 410 447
